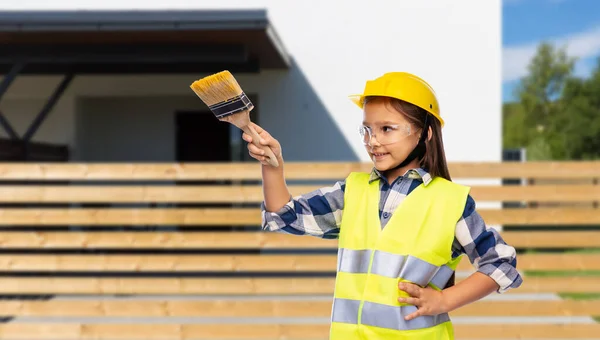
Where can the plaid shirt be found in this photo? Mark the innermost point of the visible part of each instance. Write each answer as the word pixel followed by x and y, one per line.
pixel 319 213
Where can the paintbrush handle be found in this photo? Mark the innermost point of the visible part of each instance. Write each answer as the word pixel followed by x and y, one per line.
pixel 271 158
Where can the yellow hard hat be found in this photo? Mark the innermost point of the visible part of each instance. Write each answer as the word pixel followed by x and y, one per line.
pixel 403 86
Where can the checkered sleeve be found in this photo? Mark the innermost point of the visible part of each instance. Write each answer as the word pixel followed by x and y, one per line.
pixel 486 249
pixel 317 213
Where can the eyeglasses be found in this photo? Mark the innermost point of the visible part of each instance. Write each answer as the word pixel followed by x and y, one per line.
pixel 385 134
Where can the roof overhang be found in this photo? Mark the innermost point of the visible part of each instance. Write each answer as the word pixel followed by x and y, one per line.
pixel 51 42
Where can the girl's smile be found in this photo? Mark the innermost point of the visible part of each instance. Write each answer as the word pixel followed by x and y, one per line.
pixel 378 156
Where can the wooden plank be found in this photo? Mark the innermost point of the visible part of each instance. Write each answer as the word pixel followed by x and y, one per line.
pixel 170 263
pixel 184 286
pixel 251 216
pixel 537 193
pixel 542 217
pixel 552 239
pixel 167 308
pixel 138 194
pixel 273 331
pixel 240 286
pixel 162 331
pixel 530 308
pixel 174 240
pixel 173 171
pixel 541 169
pixel 508 331
pixel 293 170
pixel 90 217
pixel 248 263
pixel 546 261
pixel 249 240
pixel 254 193
pixel 267 308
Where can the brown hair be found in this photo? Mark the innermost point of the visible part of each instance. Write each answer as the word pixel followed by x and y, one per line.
pixel 434 160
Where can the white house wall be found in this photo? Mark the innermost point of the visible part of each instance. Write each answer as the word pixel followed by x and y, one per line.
pixel 287 107
pixel 337 45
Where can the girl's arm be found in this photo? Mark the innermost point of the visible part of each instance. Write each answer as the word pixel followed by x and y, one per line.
pixel 275 189
pixel 495 263
pixel 486 250
pixel 469 290
pixel 317 213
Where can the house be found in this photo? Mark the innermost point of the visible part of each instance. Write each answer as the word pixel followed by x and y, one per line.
pixel 116 80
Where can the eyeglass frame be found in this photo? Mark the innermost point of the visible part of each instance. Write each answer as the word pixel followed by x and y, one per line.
pixel 369 130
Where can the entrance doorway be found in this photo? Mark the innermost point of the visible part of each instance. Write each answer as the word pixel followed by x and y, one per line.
pixel 201 137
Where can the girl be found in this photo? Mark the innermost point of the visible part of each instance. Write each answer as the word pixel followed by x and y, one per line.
pixel 401 228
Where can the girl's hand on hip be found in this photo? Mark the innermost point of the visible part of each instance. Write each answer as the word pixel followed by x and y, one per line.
pixel 427 300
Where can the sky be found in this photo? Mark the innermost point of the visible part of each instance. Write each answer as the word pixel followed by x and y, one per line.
pixel 526 23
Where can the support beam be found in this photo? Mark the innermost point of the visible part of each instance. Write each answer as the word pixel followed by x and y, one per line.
pixel 47 107
pixel 4 85
pixel 8 128
pixel 10 76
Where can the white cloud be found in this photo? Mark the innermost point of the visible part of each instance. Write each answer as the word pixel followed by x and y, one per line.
pixel 516 58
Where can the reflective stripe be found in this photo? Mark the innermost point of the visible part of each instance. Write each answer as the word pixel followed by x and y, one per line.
pixel 384 316
pixel 386 264
pixel 418 271
pixel 345 311
pixel 392 317
pixel 353 261
pixel 442 277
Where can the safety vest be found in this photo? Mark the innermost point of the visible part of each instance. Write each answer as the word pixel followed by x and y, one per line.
pixel 415 246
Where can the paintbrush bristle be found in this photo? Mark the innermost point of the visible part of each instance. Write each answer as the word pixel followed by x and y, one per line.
pixel 216 88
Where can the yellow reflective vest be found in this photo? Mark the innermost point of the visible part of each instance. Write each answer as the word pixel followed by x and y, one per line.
pixel 415 246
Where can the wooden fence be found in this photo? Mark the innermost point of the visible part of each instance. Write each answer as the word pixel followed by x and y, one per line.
pixel 183 241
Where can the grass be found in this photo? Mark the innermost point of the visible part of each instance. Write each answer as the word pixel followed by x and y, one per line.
pixel 561 273
pixel 568 251
pixel 580 296
pixel 583 251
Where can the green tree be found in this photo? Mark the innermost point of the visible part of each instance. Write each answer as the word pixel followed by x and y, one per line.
pixel 557 115
pixel 539 96
pixel 515 130
pixel 579 121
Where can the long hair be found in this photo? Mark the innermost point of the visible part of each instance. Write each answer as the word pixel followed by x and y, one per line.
pixel 434 160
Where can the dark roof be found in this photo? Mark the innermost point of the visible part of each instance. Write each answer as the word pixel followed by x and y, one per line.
pixel 248 28
pixel 15 21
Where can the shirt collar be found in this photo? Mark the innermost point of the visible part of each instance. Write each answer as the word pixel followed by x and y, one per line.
pixel 417 173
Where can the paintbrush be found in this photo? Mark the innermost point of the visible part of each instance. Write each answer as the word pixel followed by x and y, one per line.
pixel 228 102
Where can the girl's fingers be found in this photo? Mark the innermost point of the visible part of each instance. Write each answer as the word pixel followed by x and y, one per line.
pixel 256 156
pixel 255 149
pixel 410 301
pixel 261 132
pixel 257 128
pixel 259 158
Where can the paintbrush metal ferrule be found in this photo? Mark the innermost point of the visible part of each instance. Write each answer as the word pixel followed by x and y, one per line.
pixel 232 106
